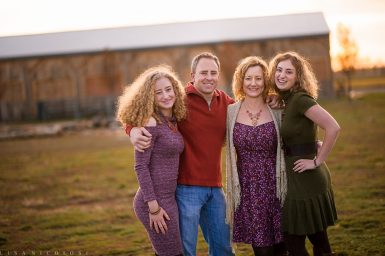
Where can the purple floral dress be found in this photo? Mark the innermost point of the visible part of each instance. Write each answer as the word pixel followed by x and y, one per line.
pixel 257 220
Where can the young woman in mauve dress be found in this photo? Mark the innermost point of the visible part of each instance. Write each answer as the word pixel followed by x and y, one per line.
pixel 309 205
pixel 156 100
pixel 255 167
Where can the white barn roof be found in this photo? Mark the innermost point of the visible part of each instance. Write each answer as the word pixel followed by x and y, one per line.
pixel 164 35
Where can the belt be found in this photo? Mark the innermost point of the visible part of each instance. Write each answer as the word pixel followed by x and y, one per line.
pixel 300 149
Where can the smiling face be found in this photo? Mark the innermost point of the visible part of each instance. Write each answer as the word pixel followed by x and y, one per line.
pixel 205 77
pixel 285 75
pixel 253 82
pixel 164 95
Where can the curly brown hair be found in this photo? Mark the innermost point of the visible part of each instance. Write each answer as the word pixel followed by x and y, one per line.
pixel 137 103
pixel 240 72
pixel 305 77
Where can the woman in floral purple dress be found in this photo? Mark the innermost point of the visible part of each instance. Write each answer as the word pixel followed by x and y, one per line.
pixel 256 183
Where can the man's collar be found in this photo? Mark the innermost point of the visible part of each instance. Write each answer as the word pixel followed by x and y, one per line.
pixel 190 88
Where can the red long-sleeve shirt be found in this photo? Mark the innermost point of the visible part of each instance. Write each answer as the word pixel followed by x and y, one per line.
pixel 203 133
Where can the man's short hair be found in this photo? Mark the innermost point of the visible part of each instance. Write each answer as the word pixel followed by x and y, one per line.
pixel 207 55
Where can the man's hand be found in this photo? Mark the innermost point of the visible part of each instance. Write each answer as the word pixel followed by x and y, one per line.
pixel 140 138
pixel 274 102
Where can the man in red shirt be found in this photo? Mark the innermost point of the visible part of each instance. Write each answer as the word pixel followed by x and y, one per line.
pixel 199 193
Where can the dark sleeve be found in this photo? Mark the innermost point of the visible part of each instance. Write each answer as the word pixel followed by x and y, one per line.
pixel 304 102
pixel 143 169
pixel 127 129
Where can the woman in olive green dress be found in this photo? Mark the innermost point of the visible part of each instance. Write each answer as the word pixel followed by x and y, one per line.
pixel 309 205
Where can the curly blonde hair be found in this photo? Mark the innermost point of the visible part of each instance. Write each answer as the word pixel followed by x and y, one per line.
pixel 305 77
pixel 137 103
pixel 240 72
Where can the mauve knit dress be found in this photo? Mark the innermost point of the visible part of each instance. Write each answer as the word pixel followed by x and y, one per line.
pixel 157 173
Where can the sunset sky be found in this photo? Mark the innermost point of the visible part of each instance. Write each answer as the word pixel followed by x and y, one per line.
pixel 365 19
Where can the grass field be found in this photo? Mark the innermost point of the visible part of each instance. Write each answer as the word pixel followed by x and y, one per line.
pixel 368 82
pixel 360 82
pixel 74 193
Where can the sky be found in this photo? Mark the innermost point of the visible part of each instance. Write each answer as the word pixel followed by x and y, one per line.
pixel 365 19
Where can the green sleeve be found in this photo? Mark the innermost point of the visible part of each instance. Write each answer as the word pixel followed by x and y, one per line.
pixel 304 102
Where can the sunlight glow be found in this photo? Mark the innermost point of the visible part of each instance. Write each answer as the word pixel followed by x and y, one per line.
pixel 19 17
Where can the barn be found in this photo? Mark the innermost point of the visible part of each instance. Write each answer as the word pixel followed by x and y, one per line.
pixel 80 73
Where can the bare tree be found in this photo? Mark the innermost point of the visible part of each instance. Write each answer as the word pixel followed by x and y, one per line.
pixel 78 66
pixel 229 54
pixel 109 69
pixel 348 55
pixel 30 70
pixel 3 81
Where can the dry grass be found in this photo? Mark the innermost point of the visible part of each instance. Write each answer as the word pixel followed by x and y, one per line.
pixel 75 192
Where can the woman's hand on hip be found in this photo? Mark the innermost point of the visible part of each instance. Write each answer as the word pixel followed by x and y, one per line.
pixel 302 165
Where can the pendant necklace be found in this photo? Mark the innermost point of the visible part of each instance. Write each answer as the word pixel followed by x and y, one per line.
pixel 254 117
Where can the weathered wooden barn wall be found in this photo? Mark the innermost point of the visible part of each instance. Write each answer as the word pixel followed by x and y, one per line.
pixel 88 84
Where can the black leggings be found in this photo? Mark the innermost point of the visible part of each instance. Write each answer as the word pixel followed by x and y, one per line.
pixel 275 250
pixel 296 244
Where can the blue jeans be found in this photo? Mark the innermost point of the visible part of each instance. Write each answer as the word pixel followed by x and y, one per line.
pixel 204 206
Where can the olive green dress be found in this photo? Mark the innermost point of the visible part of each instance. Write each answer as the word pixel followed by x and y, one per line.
pixel 309 204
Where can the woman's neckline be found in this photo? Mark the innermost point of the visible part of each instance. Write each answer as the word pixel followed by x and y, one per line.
pixel 252 125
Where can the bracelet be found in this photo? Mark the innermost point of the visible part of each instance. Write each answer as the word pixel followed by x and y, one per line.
pixel 315 162
pixel 155 212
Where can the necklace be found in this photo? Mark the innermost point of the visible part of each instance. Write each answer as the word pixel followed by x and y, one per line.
pixel 169 120
pixel 172 126
pixel 254 117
